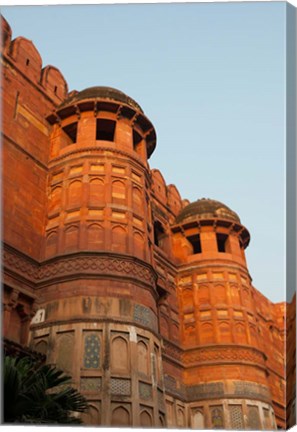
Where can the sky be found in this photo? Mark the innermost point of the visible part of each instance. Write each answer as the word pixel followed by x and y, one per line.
pixel 211 78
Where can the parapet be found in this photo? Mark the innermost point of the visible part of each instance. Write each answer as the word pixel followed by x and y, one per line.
pixel 25 57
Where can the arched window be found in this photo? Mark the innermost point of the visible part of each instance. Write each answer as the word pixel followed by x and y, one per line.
pixel 142 358
pixel 74 194
pixel 120 417
pixel 206 334
pixel 220 294
pixel 217 417
pixel 55 200
pixel 65 352
pixel 91 416
pixel 92 351
pixel 253 334
pixel 187 299
pixel 118 239
pixel 235 294
pixel 95 236
pixel 203 294
pixel 180 418
pixel 41 347
pixel 119 354
pixel 198 420
pixel 224 332
pixel 71 238
pixel 164 327
pixel 118 192
pixel 145 419
pixel 161 421
pixel 96 192
pixel 240 334
pixel 51 247
pixel 138 244
pixel 138 200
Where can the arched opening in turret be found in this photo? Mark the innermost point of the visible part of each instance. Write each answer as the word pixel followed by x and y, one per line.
pixel 137 138
pixel 71 132
pixel 222 242
pixel 196 243
pixel 159 234
pixel 105 130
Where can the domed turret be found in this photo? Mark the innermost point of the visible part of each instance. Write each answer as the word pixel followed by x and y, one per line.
pixel 100 92
pixel 99 215
pixel 100 115
pixel 206 209
pixel 207 228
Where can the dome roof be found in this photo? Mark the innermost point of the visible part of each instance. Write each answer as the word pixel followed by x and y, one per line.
pixel 101 93
pixel 206 209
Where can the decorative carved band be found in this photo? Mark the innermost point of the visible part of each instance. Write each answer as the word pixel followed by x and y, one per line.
pixel 20 264
pixel 98 265
pixel 87 264
pixel 237 389
pixel 171 350
pixel 171 388
pixel 205 391
pixel 224 354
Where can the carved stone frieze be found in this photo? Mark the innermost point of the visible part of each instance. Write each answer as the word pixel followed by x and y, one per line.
pixel 171 350
pixel 205 391
pixel 239 389
pixel 20 265
pixel 96 265
pixel 171 387
pixel 223 354
pixel 78 264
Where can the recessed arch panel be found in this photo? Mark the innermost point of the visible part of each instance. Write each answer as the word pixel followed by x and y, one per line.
pixel 119 354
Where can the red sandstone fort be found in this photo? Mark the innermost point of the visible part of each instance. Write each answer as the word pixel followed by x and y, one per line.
pixel 144 298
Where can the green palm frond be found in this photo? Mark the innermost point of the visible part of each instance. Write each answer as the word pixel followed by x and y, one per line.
pixel 39 394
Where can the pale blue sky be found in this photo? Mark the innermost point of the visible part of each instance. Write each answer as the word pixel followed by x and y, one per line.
pixel 211 78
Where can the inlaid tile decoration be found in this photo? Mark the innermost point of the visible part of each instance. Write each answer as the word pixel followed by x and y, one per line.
pixel 250 390
pixel 92 351
pixel 161 402
pixel 145 316
pixel 90 385
pixel 204 391
pixel 217 417
pixel 145 391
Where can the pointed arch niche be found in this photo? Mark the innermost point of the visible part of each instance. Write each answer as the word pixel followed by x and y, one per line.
pixel 95 236
pixel 119 354
pixel 120 417
pixel 96 197
pixel 118 239
pixel 142 358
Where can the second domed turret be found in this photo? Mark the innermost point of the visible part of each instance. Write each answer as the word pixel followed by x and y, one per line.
pixel 205 209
